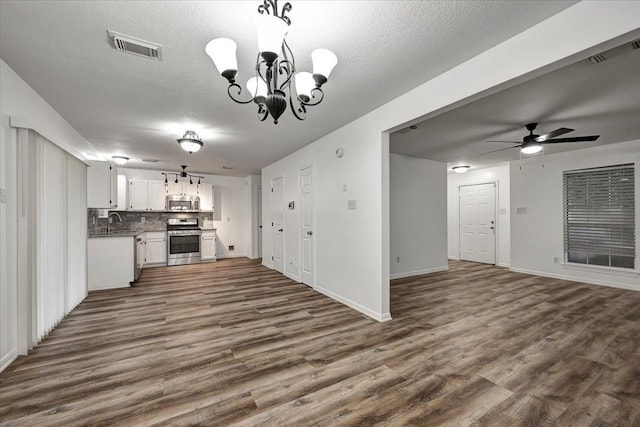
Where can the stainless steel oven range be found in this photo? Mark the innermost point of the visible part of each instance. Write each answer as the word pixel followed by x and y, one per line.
pixel 183 241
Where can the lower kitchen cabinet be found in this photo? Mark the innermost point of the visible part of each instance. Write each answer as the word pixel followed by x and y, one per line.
pixel 156 248
pixel 110 262
pixel 208 246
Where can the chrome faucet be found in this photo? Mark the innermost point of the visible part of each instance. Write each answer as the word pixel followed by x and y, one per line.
pixel 109 220
pixel 116 214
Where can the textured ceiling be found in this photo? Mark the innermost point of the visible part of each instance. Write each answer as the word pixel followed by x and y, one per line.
pixel 123 104
pixel 594 99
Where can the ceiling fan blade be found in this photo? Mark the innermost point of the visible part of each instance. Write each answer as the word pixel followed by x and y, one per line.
pixel 511 142
pixel 574 139
pixel 502 149
pixel 553 134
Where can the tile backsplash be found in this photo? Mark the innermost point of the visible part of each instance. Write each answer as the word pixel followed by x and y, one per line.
pixel 153 221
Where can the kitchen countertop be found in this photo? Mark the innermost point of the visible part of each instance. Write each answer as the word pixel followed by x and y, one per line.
pixel 115 233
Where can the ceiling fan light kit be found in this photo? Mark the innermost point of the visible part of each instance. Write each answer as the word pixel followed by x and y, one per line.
pixel 190 142
pixel 460 169
pixel 276 82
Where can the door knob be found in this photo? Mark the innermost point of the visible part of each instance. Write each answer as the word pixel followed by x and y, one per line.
pixel 280 230
pixel 491 227
pixel 309 233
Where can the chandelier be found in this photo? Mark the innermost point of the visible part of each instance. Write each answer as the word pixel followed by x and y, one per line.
pixel 275 82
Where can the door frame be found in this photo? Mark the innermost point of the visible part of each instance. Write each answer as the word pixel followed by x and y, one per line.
pixel 313 225
pixel 271 209
pixel 496 208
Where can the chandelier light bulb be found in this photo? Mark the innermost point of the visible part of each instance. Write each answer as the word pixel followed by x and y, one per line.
pixel 271 32
pixel 304 85
pixel 258 89
pixel 223 54
pixel 323 62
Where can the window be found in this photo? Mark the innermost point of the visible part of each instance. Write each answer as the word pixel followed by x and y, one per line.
pixel 599 216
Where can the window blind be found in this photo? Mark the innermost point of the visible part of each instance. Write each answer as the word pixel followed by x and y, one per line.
pixel 600 216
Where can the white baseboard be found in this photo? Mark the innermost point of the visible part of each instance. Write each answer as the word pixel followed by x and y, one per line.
pixel 503 264
pixel 231 256
pixel 455 258
pixel 576 279
pixel 418 272
pixel 8 358
pixel 380 317
pixel 292 277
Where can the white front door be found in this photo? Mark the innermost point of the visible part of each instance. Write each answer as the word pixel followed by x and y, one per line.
pixel 277 226
pixel 306 226
pixel 478 223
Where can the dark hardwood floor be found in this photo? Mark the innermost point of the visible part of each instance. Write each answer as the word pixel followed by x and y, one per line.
pixel 235 343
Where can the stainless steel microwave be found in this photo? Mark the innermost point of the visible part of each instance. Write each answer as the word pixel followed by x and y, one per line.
pixel 183 203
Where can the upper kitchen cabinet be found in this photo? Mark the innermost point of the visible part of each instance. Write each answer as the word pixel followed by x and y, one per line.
pixel 206 197
pixel 183 188
pixel 146 195
pixel 102 185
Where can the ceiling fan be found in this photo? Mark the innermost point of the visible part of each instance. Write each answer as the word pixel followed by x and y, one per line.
pixel 532 143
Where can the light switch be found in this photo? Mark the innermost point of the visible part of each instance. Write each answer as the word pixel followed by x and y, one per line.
pixel 344 187
pixel 3 195
pixel 351 205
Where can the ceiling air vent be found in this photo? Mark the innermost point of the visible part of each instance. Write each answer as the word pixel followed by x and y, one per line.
pixel 135 46
pixel 150 160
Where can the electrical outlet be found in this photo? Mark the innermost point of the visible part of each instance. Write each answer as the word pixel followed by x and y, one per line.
pixel 142 219
pixel 232 247
pixel 556 260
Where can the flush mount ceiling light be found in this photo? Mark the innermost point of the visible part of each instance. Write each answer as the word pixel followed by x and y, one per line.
pixel 190 142
pixel 275 80
pixel 119 160
pixel 460 169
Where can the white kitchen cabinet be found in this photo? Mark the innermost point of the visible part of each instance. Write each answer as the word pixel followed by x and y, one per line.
pixel 146 195
pixel 141 251
pixel 156 248
pixel 190 189
pixel 102 186
pixel 183 188
pixel 122 193
pixel 157 196
pixel 206 197
pixel 109 262
pixel 208 246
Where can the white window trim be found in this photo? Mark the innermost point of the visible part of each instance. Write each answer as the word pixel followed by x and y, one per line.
pixel 618 271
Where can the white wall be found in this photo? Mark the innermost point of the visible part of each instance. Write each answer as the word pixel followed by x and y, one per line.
pixel 232 216
pixel 417 214
pixel 28 110
pixel 499 175
pixel 352 247
pixel 537 235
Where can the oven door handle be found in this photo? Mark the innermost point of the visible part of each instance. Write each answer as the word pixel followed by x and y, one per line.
pixel 183 233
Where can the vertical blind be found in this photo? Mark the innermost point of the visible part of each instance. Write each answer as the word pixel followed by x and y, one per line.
pixel 600 216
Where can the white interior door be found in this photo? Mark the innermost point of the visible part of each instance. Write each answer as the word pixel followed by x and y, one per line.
pixel 259 209
pixel 306 226
pixel 478 223
pixel 277 226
